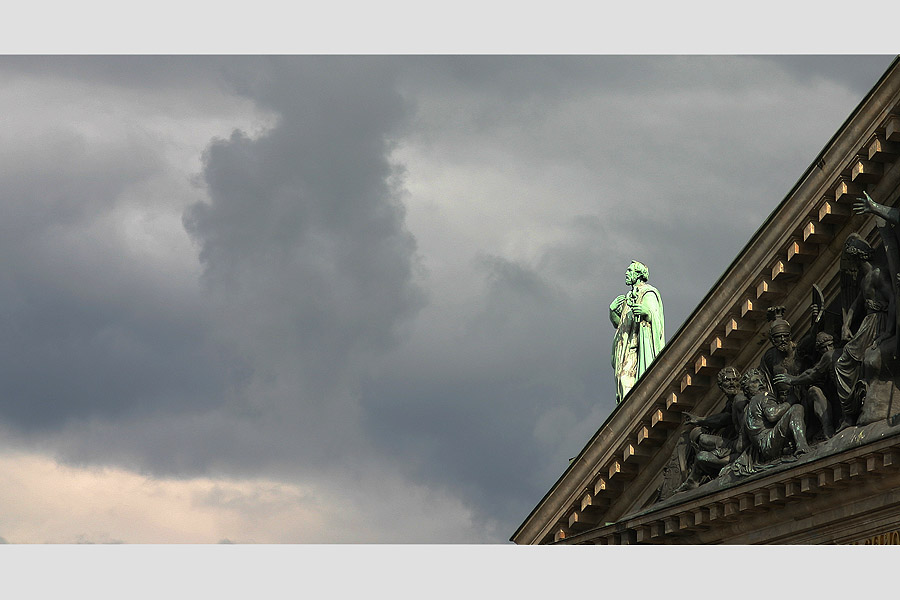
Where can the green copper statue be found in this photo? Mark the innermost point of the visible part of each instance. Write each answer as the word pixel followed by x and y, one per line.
pixel 638 319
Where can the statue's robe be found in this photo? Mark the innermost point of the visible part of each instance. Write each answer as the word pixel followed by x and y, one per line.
pixel 637 342
pixel 848 367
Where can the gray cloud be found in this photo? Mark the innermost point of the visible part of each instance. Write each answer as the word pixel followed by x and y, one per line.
pixel 307 262
pixel 508 392
pixel 309 214
pixel 674 161
pixel 86 331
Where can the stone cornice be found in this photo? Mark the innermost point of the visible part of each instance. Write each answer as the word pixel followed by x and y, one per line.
pixel 799 244
pixel 708 514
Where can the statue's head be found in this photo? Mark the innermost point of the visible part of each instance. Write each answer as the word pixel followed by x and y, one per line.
pixel 753 382
pixel 636 271
pixel 855 246
pixel 856 250
pixel 779 328
pixel 728 380
pixel 824 342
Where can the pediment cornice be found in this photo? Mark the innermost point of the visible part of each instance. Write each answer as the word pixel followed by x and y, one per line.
pixel 797 246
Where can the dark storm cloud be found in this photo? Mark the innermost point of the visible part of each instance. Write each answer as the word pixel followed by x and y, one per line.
pixel 307 260
pixel 304 223
pixel 492 416
pixel 687 155
pixel 307 266
pixel 84 333
pixel 307 272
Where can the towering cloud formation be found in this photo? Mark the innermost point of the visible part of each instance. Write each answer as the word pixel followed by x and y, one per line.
pixel 303 241
pixel 98 309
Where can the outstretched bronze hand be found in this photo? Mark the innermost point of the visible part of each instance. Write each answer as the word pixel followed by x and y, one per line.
pixel 865 205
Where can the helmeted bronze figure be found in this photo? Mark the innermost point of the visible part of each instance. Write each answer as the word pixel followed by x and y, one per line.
pixel 782 364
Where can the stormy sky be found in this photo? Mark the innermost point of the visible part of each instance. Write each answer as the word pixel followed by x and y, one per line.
pixel 355 298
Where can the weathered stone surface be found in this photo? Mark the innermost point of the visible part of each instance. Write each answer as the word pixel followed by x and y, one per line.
pixel 882 402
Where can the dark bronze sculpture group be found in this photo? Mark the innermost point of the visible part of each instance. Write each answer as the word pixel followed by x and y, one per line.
pixel 805 392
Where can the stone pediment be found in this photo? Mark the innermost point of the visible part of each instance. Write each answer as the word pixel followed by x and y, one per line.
pixel 609 493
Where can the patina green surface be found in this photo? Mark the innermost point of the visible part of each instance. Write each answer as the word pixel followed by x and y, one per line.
pixel 640 329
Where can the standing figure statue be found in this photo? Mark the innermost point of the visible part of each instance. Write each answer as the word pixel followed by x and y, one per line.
pixel 782 365
pixel 887 219
pixel 876 300
pixel 638 319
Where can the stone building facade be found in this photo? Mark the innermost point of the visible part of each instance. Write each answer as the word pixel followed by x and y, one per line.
pixel 845 491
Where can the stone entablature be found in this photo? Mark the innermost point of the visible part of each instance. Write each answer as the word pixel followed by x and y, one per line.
pixel 802 492
pixel 799 245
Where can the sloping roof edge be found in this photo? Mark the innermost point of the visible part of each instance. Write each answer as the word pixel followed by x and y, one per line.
pixel 842 130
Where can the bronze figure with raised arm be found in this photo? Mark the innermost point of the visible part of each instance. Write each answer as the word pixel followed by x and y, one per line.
pixel 876 299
